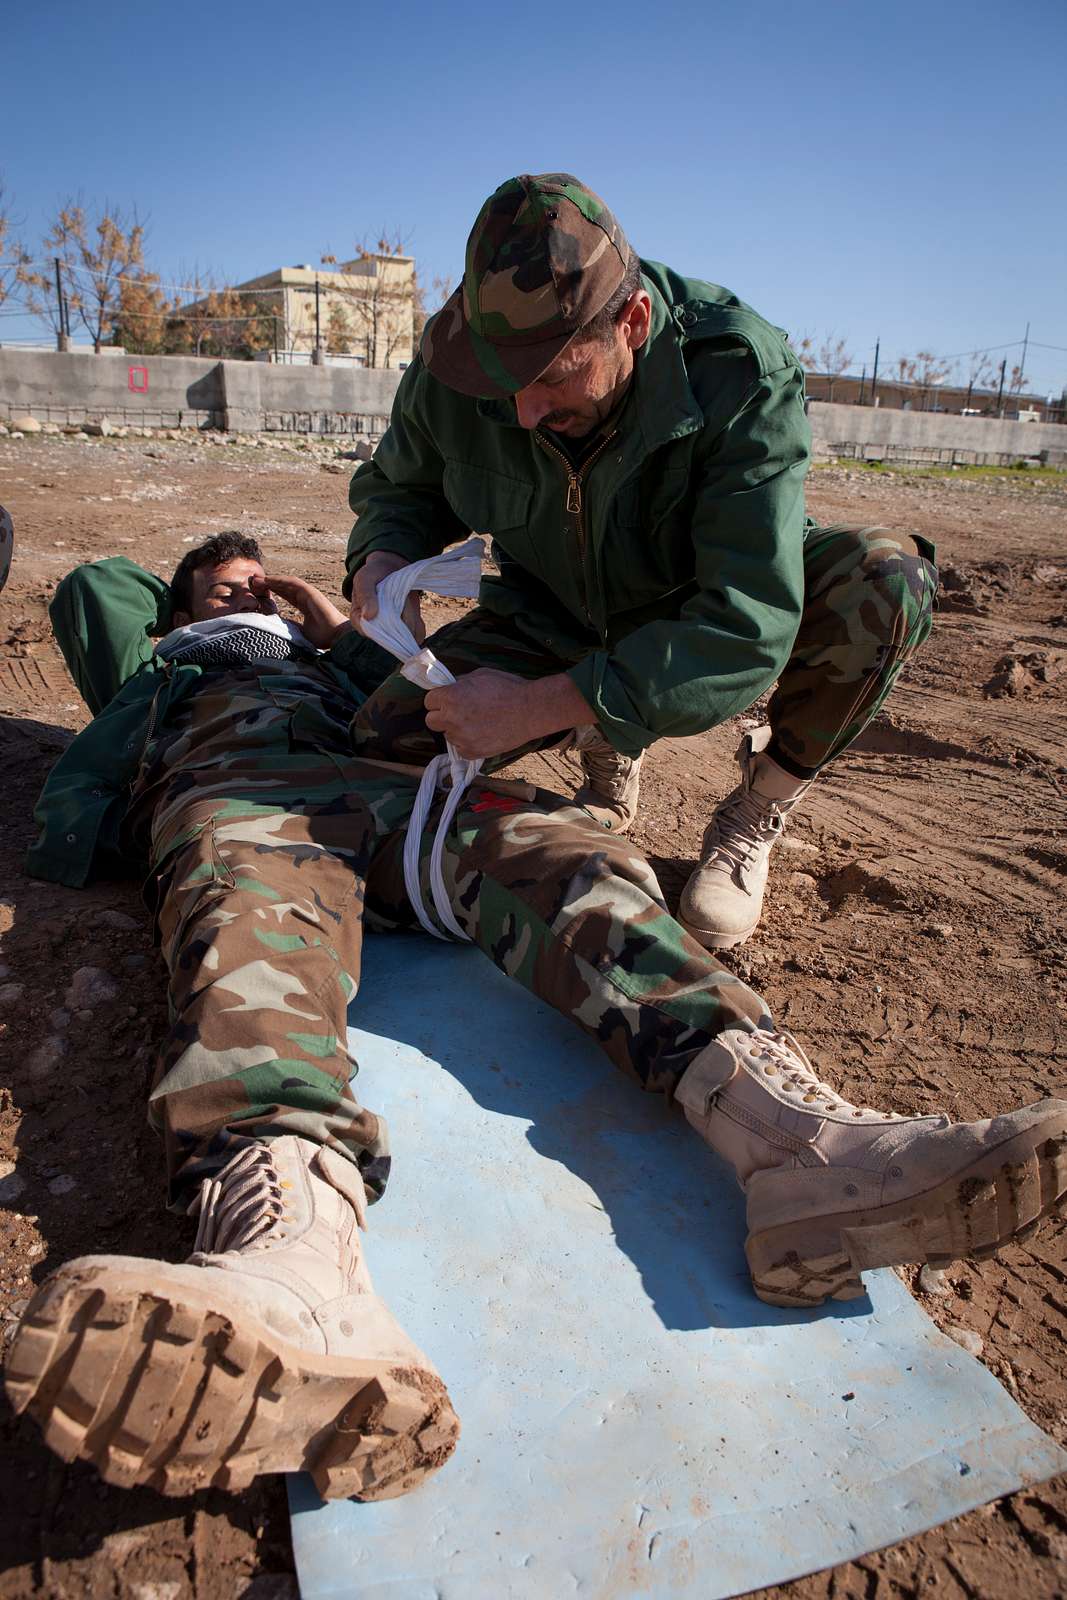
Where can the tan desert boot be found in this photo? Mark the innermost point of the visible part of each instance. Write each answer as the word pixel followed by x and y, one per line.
pixel 612 781
pixel 267 1351
pixel 722 903
pixel 833 1189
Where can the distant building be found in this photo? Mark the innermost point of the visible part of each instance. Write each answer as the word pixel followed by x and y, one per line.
pixel 893 394
pixel 363 310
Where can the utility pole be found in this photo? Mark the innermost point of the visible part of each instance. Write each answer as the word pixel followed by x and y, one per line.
pixel 316 354
pixel 874 375
pixel 863 382
pixel 63 332
pixel 1000 391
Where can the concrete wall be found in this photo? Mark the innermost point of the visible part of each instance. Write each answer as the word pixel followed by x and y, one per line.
pixel 182 391
pixel 866 430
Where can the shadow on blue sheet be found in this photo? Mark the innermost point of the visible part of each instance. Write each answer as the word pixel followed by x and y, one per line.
pixel 635 1421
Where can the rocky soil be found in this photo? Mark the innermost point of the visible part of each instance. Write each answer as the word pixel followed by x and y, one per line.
pixel 914 939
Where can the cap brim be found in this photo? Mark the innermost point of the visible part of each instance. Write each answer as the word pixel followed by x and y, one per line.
pixel 465 361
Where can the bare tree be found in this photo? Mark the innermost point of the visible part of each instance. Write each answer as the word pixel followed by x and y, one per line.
pixel 905 370
pixel 428 300
pixel 12 256
pixel 805 350
pixel 380 300
pixel 930 372
pixel 236 326
pixel 338 330
pixel 96 256
pixel 834 358
pixel 1015 382
pixel 142 323
pixel 981 374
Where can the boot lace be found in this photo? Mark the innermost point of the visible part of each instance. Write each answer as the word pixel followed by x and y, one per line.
pixel 780 1055
pixel 741 827
pixel 241 1204
pixel 608 772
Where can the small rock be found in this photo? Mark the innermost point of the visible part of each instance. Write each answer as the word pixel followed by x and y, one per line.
pixel 965 1337
pixel 27 424
pixel 939 930
pixel 59 1019
pixel 12 1183
pixel 802 880
pixel 44 1060
pixel 51 428
pixel 134 962
pixel 90 986
pixel 62 1185
pixel 932 1281
pixel 799 847
pixel 10 992
pixel 119 1545
pixel 99 430
pixel 116 919
pixel 85 1015
pixel 161 1589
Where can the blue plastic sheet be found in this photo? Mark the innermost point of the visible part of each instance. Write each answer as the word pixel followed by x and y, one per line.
pixel 635 1421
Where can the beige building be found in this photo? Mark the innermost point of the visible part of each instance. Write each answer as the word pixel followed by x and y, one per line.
pixel 363 309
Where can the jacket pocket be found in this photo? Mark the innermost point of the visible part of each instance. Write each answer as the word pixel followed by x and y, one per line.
pixel 188 877
pixel 648 553
pixel 486 501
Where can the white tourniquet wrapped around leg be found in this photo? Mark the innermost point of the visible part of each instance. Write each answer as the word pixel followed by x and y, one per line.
pixel 456 573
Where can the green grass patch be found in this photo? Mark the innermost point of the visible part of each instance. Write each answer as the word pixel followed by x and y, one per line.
pixel 1019 471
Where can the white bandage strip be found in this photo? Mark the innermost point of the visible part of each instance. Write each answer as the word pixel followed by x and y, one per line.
pixel 456 573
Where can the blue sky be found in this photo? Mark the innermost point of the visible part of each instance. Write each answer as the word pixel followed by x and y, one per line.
pixel 865 169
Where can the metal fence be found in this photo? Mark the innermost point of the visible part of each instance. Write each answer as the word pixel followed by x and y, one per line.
pixel 918 455
pixel 318 424
pixel 118 416
pixel 346 424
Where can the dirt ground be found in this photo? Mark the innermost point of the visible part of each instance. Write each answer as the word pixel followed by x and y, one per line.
pixel 911 939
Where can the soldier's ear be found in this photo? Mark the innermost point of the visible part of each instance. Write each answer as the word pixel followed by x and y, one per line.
pixel 636 318
pixel 180 619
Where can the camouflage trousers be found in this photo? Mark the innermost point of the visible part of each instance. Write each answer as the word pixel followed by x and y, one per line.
pixel 269 853
pixel 868 603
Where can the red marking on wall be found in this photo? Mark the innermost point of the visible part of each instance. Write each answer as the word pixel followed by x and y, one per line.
pixel 138 380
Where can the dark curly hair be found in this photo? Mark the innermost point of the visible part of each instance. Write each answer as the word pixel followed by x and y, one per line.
pixel 214 552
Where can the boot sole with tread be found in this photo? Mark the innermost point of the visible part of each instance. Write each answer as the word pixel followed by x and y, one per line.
pixel 998 1199
pixel 160 1385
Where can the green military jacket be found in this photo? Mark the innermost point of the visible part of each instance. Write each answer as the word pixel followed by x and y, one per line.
pixel 106 617
pixel 667 570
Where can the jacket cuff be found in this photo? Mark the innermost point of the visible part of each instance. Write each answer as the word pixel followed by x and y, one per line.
pixel 593 677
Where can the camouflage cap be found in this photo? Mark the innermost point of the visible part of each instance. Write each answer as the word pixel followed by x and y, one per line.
pixel 544 256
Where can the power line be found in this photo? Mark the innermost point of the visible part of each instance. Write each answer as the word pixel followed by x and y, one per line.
pixel 181 288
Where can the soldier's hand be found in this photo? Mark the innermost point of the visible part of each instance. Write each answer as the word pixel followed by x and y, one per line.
pixel 320 619
pixel 487 713
pixel 378 565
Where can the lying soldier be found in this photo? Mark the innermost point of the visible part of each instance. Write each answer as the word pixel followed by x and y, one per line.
pixel 228 767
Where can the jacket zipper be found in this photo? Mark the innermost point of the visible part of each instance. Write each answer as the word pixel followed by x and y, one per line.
pixel 573 503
